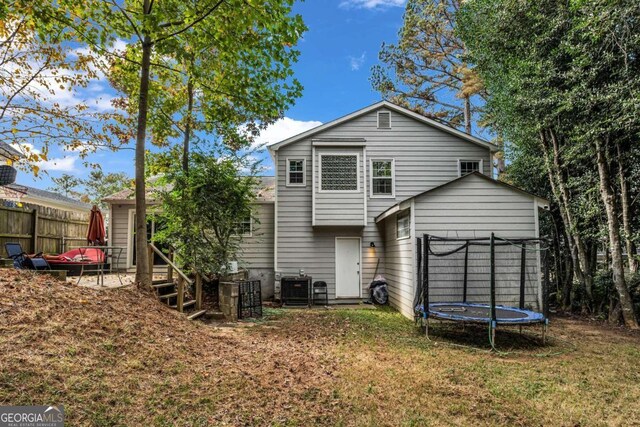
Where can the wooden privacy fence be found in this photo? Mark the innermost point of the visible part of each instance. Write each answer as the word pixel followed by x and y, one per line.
pixel 43 229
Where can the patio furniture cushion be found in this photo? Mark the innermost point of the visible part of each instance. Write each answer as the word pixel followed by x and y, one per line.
pixel 78 256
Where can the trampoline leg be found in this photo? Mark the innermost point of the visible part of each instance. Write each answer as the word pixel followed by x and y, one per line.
pixel 544 334
pixel 426 329
pixel 520 329
pixel 493 335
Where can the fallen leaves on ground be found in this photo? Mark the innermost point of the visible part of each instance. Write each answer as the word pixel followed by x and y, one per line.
pixel 120 357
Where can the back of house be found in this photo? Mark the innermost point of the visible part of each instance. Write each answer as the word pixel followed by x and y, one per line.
pixel 335 181
pixel 350 197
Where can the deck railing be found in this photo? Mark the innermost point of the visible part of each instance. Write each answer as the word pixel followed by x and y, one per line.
pixel 183 279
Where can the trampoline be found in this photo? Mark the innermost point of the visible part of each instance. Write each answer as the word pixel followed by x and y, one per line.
pixel 492 281
pixel 481 313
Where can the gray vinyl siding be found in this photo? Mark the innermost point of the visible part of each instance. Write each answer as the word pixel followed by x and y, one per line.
pixel 425 157
pixel 341 209
pixel 400 271
pixel 119 221
pixel 470 208
pixel 256 251
pixel 474 207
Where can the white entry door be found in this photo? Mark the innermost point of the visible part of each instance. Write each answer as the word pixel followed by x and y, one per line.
pixel 347 267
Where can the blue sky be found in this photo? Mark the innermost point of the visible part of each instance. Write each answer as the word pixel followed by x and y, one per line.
pixel 337 53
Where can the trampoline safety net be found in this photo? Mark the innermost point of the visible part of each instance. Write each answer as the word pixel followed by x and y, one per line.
pixel 458 270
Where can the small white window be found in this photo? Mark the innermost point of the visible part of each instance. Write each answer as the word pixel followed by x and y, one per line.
pixel 384 120
pixel 339 173
pixel 296 170
pixel 382 178
pixel 245 227
pixel 468 166
pixel 403 225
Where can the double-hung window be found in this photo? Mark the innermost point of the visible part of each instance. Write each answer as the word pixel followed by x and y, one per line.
pixel 382 177
pixel 244 227
pixel 468 166
pixel 403 224
pixel 296 172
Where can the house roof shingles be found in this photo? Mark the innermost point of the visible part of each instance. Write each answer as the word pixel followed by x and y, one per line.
pixel 7 151
pixel 264 193
pixel 48 195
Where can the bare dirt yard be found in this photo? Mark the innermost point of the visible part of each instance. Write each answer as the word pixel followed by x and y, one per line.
pixel 119 357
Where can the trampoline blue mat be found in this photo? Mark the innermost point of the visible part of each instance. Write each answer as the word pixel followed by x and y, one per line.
pixel 481 313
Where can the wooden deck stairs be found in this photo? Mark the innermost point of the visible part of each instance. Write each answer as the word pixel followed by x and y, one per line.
pixel 179 292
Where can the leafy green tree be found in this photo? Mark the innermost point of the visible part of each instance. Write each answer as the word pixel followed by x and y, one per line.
pixel 563 79
pixel 426 70
pixel 222 81
pixel 36 68
pixel 161 27
pixel 67 185
pixel 100 185
pixel 202 209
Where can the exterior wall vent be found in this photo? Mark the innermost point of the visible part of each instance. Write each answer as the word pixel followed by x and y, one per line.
pixel 384 120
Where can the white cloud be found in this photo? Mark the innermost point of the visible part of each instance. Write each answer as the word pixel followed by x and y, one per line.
pixel 283 129
pixel 371 4
pixel 95 96
pixel 103 58
pixel 60 164
pixel 356 61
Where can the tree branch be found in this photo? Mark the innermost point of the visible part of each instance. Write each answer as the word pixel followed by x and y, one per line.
pixel 124 13
pixel 195 21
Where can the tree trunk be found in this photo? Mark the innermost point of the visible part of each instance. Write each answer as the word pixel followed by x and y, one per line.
pixel 568 284
pixel 187 127
pixel 564 269
pixel 467 115
pixel 615 313
pixel 190 247
pixel 581 265
pixel 143 269
pixel 557 259
pixel 626 212
pixel 617 265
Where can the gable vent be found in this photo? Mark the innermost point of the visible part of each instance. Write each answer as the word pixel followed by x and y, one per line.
pixel 384 120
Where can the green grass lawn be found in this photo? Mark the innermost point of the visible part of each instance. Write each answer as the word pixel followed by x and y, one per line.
pixel 118 357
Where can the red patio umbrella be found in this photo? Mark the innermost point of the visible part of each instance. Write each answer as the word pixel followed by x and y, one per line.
pixel 96 234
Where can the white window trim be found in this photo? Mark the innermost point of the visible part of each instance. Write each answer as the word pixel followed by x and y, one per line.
pixel 250 233
pixel 480 165
pixel 403 213
pixel 378 119
pixel 335 268
pixel 304 171
pixel 357 190
pixel 393 179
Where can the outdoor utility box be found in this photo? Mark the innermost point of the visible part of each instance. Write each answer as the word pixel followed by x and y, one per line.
pixel 296 290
